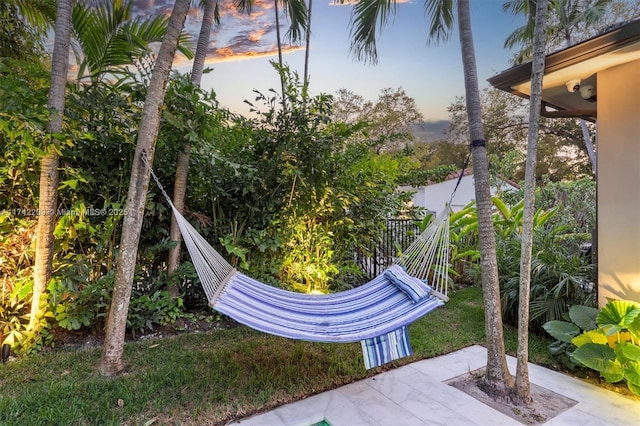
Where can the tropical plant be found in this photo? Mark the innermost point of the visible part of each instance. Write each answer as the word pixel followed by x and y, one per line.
pixel 107 38
pixel 610 345
pixel 560 274
pixel 579 318
pixel 297 12
pixel 23 27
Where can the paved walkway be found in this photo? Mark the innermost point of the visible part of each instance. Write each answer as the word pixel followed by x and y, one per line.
pixel 416 394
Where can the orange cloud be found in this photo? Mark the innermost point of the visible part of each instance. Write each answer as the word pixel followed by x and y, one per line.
pixel 352 2
pixel 225 55
pixel 256 36
pixel 224 52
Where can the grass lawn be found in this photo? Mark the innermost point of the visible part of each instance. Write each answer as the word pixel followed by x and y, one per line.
pixel 215 377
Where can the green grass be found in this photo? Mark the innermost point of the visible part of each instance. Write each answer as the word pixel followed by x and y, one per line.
pixel 217 376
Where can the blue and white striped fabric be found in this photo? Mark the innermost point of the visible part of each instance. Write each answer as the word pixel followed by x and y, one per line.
pixel 375 310
pixel 371 310
pixel 415 288
pixel 386 348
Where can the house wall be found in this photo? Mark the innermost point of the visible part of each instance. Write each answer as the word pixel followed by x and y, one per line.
pixel 618 183
pixel 436 196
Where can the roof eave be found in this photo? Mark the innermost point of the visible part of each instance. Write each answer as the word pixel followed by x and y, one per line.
pixel 599 45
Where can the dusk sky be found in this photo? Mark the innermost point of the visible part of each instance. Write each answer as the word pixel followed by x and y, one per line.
pixel 242 46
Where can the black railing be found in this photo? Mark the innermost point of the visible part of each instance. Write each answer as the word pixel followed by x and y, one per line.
pixel 400 233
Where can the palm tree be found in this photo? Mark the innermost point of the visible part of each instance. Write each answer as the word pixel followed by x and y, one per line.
pixel 366 15
pixel 569 16
pixel 47 204
pixel 307 43
pixel 297 12
pixel 210 16
pixel 108 38
pixel 522 389
pixel 112 362
pixel 23 27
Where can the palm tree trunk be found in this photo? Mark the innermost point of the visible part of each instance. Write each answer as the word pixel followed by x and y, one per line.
pixel 179 194
pixel 182 166
pixel 279 41
pixel 203 41
pixel 47 204
pixel 522 387
pixel 307 44
pixel 112 361
pixel 497 375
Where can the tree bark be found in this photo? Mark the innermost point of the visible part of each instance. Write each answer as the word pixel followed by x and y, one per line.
pixel 497 376
pixel 307 44
pixel 182 166
pixel 589 145
pixel 47 203
pixel 279 41
pixel 112 361
pixel 522 389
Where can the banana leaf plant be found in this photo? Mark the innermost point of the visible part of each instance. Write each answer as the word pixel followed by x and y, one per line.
pixel 611 346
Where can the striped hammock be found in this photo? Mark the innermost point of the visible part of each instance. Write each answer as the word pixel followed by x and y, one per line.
pixel 375 313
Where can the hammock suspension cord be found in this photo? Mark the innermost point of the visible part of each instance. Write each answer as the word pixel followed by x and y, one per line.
pixel 213 270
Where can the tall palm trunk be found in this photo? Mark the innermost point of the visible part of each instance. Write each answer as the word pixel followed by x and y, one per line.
pixel 47 203
pixel 497 375
pixel 182 166
pixel 279 41
pixel 307 44
pixel 522 385
pixel 112 361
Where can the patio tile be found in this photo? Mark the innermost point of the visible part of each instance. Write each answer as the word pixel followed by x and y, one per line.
pixel 416 395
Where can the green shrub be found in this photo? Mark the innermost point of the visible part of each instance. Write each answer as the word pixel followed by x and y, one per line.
pixel 610 345
pixel 560 273
pixel 579 318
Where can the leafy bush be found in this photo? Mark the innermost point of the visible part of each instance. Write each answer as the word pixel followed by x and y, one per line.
pixel 610 345
pixel 148 310
pixel 581 318
pixel 560 274
pixel 290 195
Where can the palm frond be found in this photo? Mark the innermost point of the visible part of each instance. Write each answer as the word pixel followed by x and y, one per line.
pixel 243 5
pixel 40 14
pixel 441 18
pixel 108 39
pixel 216 14
pixel 365 17
pixel 593 13
pixel 297 12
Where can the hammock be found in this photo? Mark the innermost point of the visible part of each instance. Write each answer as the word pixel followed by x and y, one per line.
pixel 375 313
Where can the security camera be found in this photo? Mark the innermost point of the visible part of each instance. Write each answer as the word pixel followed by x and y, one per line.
pixel 573 85
pixel 588 92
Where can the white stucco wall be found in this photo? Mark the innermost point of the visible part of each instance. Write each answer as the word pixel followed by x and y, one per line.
pixel 436 196
pixel 618 183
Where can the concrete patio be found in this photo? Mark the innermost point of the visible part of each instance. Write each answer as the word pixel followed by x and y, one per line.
pixel 416 394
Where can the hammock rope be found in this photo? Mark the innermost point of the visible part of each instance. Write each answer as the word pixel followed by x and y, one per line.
pixel 376 313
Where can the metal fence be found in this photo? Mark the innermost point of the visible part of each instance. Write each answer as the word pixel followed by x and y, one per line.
pixel 399 234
